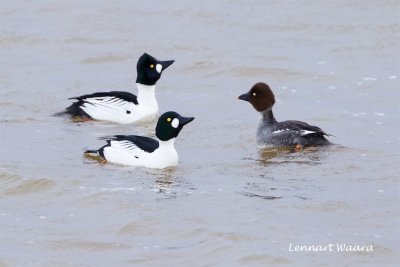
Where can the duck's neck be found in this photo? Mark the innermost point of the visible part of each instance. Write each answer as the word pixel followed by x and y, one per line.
pixel 146 94
pixel 169 144
pixel 267 117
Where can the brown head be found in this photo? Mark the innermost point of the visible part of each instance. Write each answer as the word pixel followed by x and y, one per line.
pixel 260 96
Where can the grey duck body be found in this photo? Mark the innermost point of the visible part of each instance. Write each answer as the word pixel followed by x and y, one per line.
pixel 271 133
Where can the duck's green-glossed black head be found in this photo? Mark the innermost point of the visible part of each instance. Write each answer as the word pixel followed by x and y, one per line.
pixel 149 69
pixel 170 124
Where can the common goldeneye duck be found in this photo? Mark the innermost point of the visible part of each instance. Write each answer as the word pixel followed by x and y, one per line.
pixel 133 150
pixel 271 133
pixel 123 107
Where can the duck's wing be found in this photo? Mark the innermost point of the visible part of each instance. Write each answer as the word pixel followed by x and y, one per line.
pixel 108 105
pixel 298 127
pixel 289 133
pixel 113 96
pixel 104 104
pixel 132 144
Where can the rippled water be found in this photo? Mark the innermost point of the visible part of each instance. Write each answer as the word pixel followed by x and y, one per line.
pixel 334 64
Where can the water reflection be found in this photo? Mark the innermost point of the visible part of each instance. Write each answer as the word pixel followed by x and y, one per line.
pixel 276 156
pixel 169 185
pixel 248 194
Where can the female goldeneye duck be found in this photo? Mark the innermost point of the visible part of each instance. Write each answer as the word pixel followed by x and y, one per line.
pixel 271 133
pixel 123 107
pixel 133 150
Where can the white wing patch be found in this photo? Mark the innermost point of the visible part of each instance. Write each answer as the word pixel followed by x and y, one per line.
pixel 305 132
pixel 280 131
pixel 301 132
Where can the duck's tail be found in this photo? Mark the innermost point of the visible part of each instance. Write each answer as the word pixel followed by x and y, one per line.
pixel 96 155
pixel 96 152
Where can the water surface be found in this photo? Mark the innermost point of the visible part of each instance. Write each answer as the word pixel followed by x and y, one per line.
pixel 333 64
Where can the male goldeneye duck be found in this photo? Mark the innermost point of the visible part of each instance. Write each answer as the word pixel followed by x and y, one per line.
pixel 271 133
pixel 133 150
pixel 123 107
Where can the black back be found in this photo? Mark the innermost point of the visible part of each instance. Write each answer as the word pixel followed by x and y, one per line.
pixel 117 94
pixel 144 143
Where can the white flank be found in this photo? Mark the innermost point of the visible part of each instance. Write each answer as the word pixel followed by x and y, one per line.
pixel 113 109
pixel 109 109
pixel 123 152
pixel 126 153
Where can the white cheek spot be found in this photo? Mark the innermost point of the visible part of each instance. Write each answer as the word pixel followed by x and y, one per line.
pixel 158 68
pixel 175 123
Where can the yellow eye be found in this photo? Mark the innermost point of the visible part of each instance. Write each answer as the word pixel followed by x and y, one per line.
pixel 169 119
pixel 254 94
pixel 151 66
